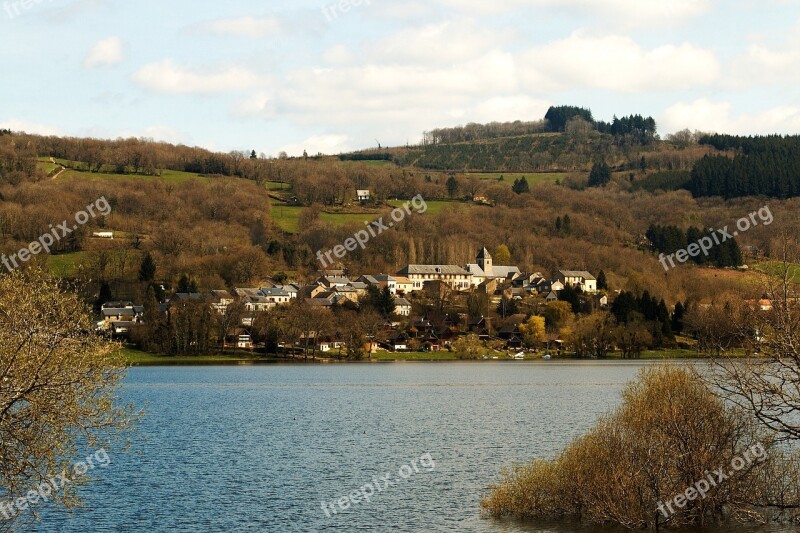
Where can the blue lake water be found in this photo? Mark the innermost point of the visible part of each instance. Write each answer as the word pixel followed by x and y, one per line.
pixel 259 448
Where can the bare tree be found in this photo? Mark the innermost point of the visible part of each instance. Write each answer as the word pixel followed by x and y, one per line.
pixel 769 385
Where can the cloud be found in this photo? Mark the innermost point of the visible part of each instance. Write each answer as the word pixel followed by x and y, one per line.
pixel 165 77
pixel 260 104
pixel 253 27
pixel 625 11
pixel 617 63
pixel 705 115
pixel 762 65
pixel 14 124
pixel 326 144
pixel 446 42
pixel 105 53
pixel 162 133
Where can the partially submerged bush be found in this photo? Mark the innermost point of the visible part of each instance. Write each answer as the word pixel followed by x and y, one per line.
pixel 670 434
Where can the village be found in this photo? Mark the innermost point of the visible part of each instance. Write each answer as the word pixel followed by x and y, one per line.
pixel 427 308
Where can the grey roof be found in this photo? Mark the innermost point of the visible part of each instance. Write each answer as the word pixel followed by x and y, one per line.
pixel 576 274
pixel 117 305
pixel 372 280
pixel 484 254
pixel 257 300
pixel 402 301
pixel 247 292
pixel 118 312
pixel 275 293
pixel 333 280
pixel 504 271
pixel 434 270
pixel 475 270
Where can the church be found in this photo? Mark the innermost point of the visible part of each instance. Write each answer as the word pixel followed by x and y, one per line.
pixel 484 270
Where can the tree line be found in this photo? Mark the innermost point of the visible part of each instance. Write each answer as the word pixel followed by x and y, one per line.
pixel 670 239
pixel 761 166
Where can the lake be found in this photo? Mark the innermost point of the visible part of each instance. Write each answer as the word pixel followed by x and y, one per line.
pixel 260 448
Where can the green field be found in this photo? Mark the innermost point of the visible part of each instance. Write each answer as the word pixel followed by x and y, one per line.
pixel 371 163
pixel 285 217
pixel 168 176
pixel 532 178
pixel 66 265
pixel 775 268
pixel 46 166
pixel 434 206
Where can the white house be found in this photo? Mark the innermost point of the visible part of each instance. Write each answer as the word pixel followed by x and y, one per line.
pixel 363 195
pixel 402 307
pixel 455 276
pixel 578 278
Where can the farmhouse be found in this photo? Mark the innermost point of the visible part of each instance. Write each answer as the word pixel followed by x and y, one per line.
pixel 578 278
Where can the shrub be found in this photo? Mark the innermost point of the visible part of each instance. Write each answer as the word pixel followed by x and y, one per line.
pixel 670 432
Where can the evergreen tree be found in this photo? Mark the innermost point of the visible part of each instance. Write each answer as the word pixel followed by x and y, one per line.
pixel 186 285
pixel 147 270
pixel 521 186
pixel 602 283
pixel 567 225
pixel 104 296
pixel 600 175
pixel 452 186
pixel 677 318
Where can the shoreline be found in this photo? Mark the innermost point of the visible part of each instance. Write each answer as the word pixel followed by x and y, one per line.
pixel 135 358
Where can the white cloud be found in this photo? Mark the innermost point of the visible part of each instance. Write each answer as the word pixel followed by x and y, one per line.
pixel 254 27
pixel 105 53
pixel 763 65
pixel 337 55
pixel 259 104
pixel 617 63
pixel 14 124
pixel 627 11
pixel 705 115
pixel 327 144
pixel 165 77
pixel 446 42
pixel 509 109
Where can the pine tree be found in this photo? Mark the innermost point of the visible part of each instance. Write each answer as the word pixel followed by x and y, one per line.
pixel 104 296
pixel 452 186
pixel 185 285
pixel 602 283
pixel 600 175
pixel 147 270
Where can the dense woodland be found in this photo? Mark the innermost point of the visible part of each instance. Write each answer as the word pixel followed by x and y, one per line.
pixel 767 166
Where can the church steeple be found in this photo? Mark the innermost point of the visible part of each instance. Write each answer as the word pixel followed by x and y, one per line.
pixel 485 262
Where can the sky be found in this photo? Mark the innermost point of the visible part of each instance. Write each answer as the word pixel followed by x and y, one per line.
pixel 330 76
